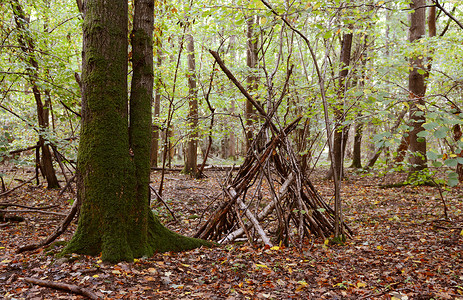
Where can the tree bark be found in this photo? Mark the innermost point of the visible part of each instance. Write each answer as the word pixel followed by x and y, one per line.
pixel 191 163
pixel 113 159
pixel 341 131
pixel 417 88
pixel 357 153
pixel 157 110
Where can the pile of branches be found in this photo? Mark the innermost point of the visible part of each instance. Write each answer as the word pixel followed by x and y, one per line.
pixel 294 202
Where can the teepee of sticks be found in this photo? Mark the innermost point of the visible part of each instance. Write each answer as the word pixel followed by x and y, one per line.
pixel 293 206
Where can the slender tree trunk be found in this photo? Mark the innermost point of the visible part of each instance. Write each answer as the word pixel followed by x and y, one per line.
pixel 357 153
pixel 417 87
pixel 191 163
pixel 341 131
pixel 27 46
pixel 157 109
pixel 232 110
pixel 252 79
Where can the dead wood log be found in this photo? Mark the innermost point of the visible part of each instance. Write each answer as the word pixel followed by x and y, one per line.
pixel 63 286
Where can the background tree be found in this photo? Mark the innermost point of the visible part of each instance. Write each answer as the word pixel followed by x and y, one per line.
pixel 191 163
pixel 417 87
pixel 28 48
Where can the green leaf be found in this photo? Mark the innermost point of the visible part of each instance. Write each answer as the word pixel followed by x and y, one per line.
pixel 432 155
pixel 431 125
pixel 421 71
pixel 437 164
pixel 451 162
pixel 422 134
pixel 440 133
pixel 452 179
pixel 327 35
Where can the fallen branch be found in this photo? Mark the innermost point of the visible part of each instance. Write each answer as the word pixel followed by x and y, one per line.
pixel 64 225
pixel 5 204
pixel 22 150
pixel 15 188
pixel 63 286
pixel 31 211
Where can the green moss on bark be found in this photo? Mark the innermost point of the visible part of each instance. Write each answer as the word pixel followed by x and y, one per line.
pixel 113 159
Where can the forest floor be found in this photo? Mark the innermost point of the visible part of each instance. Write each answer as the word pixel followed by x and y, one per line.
pixel 403 248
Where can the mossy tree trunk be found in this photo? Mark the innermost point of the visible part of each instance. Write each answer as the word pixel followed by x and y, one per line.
pixel 113 158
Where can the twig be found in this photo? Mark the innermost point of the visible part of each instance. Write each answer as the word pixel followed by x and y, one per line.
pixel 63 286
pixel 68 184
pixel 58 157
pixel 22 150
pixel 3 184
pixel 15 188
pixel 163 202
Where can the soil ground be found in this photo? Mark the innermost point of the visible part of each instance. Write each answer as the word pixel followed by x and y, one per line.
pixel 403 248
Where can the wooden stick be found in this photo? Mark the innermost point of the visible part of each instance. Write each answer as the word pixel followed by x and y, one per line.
pixel 31 211
pixel 163 202
pixel 6 204
pixel 63 286
pixel 251 218
pixel 265 212
pixel 15 188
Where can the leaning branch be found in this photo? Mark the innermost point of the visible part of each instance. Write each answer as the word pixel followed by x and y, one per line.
pixel 447 13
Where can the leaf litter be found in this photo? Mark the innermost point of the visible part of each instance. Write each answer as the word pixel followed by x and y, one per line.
pixel 402 249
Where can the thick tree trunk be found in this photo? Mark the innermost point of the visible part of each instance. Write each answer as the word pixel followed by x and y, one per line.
pixel 113 159
pixel 191 163
pixel 417 88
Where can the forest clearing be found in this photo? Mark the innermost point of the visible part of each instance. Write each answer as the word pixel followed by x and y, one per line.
pixel 402 247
